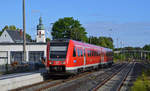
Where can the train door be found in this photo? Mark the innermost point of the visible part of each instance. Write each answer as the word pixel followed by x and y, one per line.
pixel 102 56
pixel 80 56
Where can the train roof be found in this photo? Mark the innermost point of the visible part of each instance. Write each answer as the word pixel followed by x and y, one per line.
pixel 80 43
pixel 90 45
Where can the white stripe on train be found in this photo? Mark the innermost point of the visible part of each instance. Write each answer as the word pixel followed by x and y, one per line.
pixel 84 66
pixel 74 68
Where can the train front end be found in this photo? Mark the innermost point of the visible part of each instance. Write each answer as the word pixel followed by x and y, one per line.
pixel 56 56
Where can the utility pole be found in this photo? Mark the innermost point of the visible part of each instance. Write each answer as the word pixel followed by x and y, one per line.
pixel 121 50
pixel 24 33
pixel 117 47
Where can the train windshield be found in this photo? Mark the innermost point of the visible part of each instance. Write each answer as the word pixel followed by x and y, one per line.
pixel 58 50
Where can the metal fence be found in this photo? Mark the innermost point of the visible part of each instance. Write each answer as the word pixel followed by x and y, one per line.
pixel 3 61
pixel 17 65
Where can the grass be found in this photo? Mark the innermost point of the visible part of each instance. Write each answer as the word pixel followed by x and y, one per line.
pixel 143 82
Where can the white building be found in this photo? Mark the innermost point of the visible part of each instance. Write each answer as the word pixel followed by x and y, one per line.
pixel 10 52
pixel 11 46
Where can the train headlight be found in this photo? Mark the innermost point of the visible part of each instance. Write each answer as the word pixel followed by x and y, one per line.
pixel 50 62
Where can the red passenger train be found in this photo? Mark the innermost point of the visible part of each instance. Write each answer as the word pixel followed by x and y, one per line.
pixel 73 56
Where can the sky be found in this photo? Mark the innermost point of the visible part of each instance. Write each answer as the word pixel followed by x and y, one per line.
pixel 125 20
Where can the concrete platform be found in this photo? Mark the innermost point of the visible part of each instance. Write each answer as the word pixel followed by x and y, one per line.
pixel 8 82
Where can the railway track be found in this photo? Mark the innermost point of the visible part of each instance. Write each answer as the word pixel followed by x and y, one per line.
pixel 52 83
pixel 125 77
pixel 86 83
pixel 115 81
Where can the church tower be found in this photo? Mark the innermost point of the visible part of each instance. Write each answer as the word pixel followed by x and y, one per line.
pixel 40 32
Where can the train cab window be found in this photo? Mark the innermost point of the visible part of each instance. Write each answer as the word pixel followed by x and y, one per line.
pixel 74 52
pixel 58 50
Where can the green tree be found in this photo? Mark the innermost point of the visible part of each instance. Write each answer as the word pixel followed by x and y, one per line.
pixel 11 27
pixel 48 39
pixel 28 37
pixel 101 41
pixel 68 28
pixel 146 47
pixel 0 33
pixel 5 28
pixel 93 40
pixel 109 42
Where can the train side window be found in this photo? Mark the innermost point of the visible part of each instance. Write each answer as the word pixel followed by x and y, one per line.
pixel 88 52
pixel 78 52
pixel 84 52
pixel 99 53
pixel 74 52
pixel 92 53
pixel 96 53
pixel 81 52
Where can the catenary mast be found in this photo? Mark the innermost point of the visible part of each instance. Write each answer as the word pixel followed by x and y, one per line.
pixel 24 33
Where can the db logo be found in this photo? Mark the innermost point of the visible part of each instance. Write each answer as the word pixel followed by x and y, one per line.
pixel 74 61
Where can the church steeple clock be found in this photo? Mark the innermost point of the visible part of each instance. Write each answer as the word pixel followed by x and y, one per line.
pixel 40 32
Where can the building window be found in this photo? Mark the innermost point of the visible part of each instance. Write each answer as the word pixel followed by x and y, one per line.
pixel 35 56
pixel 16 56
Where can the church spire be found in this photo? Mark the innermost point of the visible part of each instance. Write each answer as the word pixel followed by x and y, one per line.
pixel 40 26
pixel 40 21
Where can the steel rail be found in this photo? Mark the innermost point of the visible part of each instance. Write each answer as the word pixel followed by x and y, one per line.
pixel 125 77
pixel 107 79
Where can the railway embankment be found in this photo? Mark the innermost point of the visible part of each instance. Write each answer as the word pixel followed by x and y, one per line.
pixel 13 81
pixel 142 82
